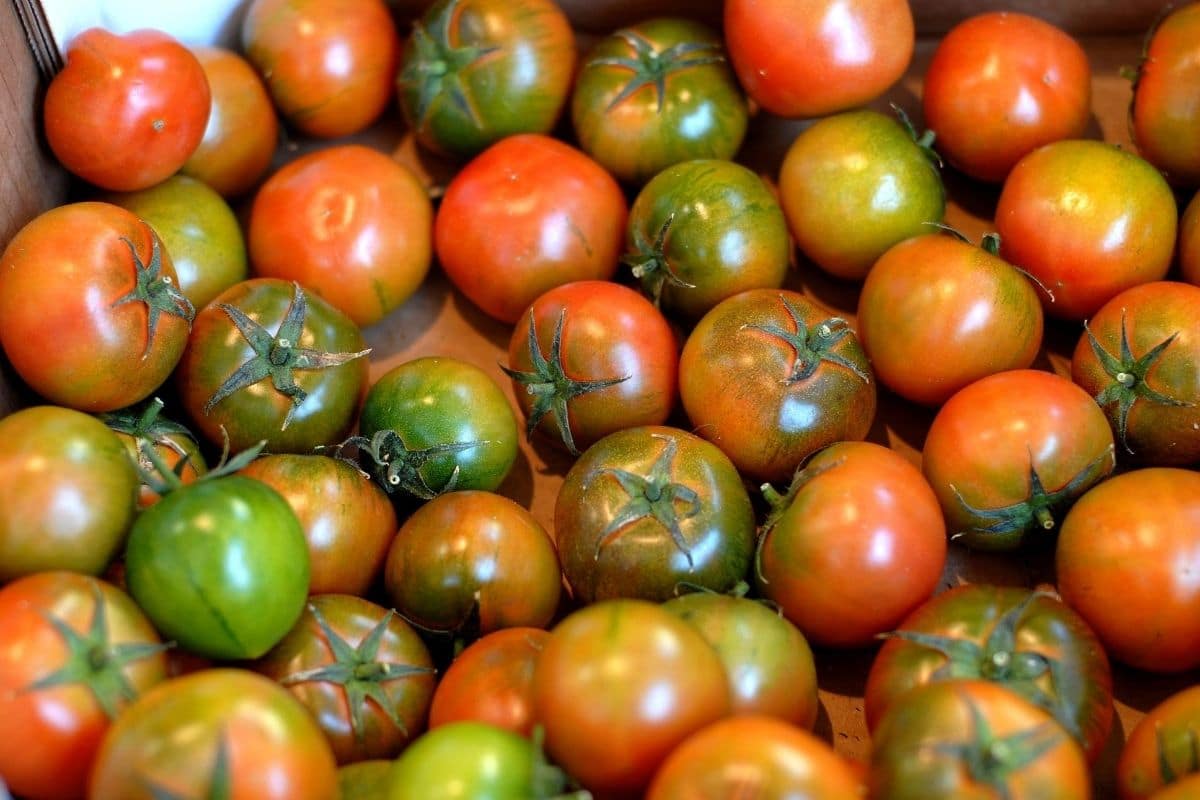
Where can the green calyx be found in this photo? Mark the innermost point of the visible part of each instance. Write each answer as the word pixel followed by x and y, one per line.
pixel 924 141
pixel 156 291
pixel 147 426
pixel 1128 374
pixel 398 468
pixel 651 66
pixel 277 356
pixel 548 383
pixel 811 347
pixel 163 479
pixel 220 784
pixel 649 262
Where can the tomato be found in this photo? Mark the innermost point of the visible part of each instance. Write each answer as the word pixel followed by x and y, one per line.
pixel 810 58
pixel 1087 220
pixel 1001 85
pixel 854 184
pixel 127 110
pixel 198 229
pixel 434 425
pixel 860 517
pixel 656 94
pixel 491 681
pixel 959 739
pixel 143 427
pixel 76 651
pixel 365 780
pixel 594 358
pixel 1126 567
pixel 702 231
pixel 1028 642
pixel 753 756
pixel 526 215
pixel 645 509
pixel 1010 452
pixel 476 71
pixel 770 378
pixel 242 132
pixel 618 686
pixel 1140 358
pixel 937 313
pixel 67 492
pixel 97 282
pixel 473 562
pixel 361 671
pixel 215 733
pixel 1165 111
pixel 220 565
pixel 1189 242
pixel 268 360
pixel 767 660
pixel 1162 749
pixel 1183 789
pixel 348 521
pixel 350 224
pixel 327 64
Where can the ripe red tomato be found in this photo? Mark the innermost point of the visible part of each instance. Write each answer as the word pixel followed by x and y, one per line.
pixel 810 58
pixel 127 110
pixel 526 215
pixel 999 86
pixel 1161 750
pixel 491 681
pixel 1165 112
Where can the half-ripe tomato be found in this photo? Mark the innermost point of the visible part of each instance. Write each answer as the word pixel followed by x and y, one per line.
pixel 1165 113
pixel 810 58
pixel 143 426
pixel 491 681
pixel 1126 558
pixel 1001 85
pixel 365 780
pixel 1162 749
pixel 328 64
pixel 215 733
pixel 76 651
pixel 1008 455
pixel 127 110
pixel 91 315
pixel 526 215
pixel 1087 220
pixel 1189 241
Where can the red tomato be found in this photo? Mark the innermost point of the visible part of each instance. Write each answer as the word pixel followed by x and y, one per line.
pixel 1161 750
pixel 809 58
pixel 491 681
pixel 127 111
pixel 1165 113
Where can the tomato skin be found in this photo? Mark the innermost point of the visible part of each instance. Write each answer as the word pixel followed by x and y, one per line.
pixel 49 736
pixel 1142 553
pixel 92 475
pixel 1183 789
pixel 999 86
pixel 810 58
pixel 328 66
pixel 1166 103
pixel 127 110
pixel 526 215
pixel 365 780
pixel 170 740
pixel 465 759
pixel 491 681
pixel 1189 242
pixel 61 278
pixel 1087 220
pixel 1159 751
pixel 964 312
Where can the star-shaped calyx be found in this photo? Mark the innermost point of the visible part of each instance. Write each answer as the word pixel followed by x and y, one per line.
pixel 649 262
pixel 277 356
pixel 651 66
pixel 220 784
pixel 548 383
pixel 398 468
pixel 1128 375
pixel 811 347
pixel 157 291
pixel 146 425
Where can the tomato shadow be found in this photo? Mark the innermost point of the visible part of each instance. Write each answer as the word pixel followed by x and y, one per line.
pixel 399 336
pixel 900 424
pixel 841 676
pixel 1104 771
pixel 518 484
pixel 1034 565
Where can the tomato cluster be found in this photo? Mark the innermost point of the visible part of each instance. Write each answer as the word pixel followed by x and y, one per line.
pixel 269 526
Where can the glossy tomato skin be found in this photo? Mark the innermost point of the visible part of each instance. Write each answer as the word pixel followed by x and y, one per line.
pixel 850 504
pixel 1189 242
pixel 1160 750
pixel 1002 84
pixel 1166 102
pixel 51 460
pixel 350 224
pixel 218 730
pixel 655 94
pixel 473 562
pixel 767 660
pixel 1030 643
pixel 127 110
pixel 937 313
pixel 71 276
pixel 328 66
pixel 1010 452
pixel 1126 566
pixel 753 756
pixel 491 681
pixel 365 780
pixel 1087 220
pixel 348 521
pixel 465 759
pixel 476 71
pixel 768 402
pixel 651 680
pixel 645 509
pixel 51 720
pixel 526 215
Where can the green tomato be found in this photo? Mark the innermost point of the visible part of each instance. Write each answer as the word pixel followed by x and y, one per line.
pixel 466 760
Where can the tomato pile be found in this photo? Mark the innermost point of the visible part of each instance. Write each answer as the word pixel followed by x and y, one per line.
pixel 275 521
